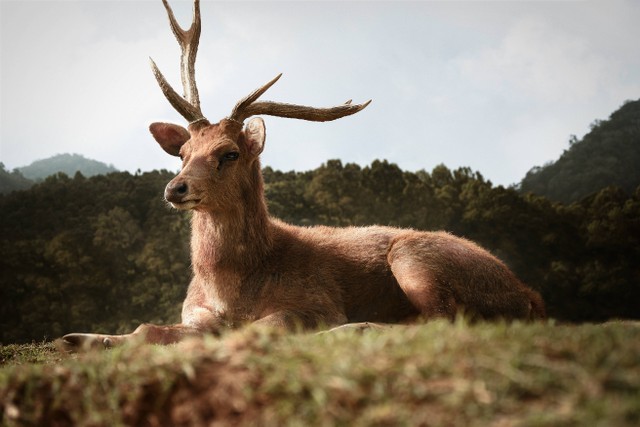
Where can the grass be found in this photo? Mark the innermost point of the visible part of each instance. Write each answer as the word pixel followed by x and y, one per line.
pixel 34 353
pixel 432 374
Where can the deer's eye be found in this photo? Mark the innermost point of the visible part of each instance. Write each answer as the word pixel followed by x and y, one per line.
pixel 232 155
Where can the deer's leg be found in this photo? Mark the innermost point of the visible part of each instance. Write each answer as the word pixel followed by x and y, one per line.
pixel 80 341
pixel 418 281
pixel 149 333
pixel 195 321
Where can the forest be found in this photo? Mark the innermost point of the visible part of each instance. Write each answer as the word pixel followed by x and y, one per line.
pixel 106 253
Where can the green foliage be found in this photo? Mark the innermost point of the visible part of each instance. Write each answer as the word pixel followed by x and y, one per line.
pixel 608 155
pixel 104 254
pixel 69 164
pixel 431 374
pixel 97 254
pixel 12 181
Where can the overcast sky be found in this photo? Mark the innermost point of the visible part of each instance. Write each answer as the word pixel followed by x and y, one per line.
pixel 495 85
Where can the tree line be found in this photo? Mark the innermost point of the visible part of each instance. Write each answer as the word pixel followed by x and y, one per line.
pixel 104 254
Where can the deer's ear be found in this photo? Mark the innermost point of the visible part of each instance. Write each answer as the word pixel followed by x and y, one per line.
pixel 170 137
pixel 255 133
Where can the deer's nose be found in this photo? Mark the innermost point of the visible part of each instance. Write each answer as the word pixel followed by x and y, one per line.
pixel 175 191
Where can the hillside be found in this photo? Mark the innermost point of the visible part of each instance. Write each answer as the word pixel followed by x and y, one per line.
pixel 609 155
pixel 68 164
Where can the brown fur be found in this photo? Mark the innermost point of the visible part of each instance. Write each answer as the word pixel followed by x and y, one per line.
pixel 248 267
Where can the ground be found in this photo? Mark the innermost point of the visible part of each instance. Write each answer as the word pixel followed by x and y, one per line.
pixel 431 374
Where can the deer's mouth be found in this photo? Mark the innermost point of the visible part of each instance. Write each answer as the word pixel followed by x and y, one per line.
pixel 184 205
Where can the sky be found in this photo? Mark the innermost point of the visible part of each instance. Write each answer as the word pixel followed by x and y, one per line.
pixel 497 86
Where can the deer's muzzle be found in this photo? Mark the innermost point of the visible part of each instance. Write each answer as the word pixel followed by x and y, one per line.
pixel 177 193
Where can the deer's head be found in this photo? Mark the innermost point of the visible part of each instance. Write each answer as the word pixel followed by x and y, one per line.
pixel 219 160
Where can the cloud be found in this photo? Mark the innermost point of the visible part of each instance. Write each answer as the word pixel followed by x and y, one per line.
pixel 526 89
pixel 538 62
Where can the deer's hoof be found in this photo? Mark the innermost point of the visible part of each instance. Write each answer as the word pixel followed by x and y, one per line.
pixel 80 342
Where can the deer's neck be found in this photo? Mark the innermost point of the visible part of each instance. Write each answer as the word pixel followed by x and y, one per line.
pixel 234 241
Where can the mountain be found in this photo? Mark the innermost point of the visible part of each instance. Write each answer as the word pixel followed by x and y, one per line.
pixel 68 164
pixel 24 177
pixel 609 155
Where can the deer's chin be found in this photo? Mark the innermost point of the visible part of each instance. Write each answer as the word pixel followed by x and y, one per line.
pixel 185 205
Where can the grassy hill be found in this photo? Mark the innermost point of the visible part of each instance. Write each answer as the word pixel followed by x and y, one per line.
pixel 433 374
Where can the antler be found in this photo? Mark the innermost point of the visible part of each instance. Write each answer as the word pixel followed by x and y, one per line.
pixel 247 107
pixel 189 106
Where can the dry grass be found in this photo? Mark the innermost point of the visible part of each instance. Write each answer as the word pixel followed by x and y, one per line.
pixel 432 374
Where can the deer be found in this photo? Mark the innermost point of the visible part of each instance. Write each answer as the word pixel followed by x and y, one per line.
pixel 250 268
